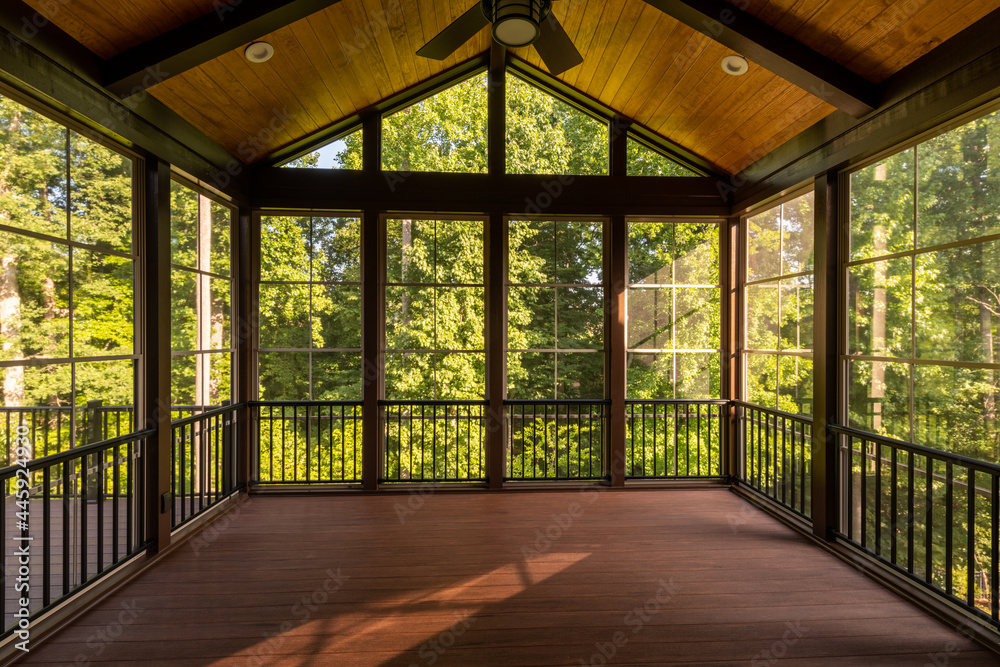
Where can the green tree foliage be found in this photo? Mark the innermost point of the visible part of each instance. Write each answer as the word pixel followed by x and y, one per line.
pixel 548 136
pixel 68 188
pixel 936 304
pixel 779 310
pixel 644 161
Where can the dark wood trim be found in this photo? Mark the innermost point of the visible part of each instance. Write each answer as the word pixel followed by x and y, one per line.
pixel 497 110
pixel 825 483
pixel 51 69
pixel 764 45
pixel 403 99
pixel 618 131
pixel 321 189
pixel 247 271
pixel 958 76
pixel 227 27
pixel 26 28
pixel 156 349
pixel 496 350
pixel 597 109
pixel 371 345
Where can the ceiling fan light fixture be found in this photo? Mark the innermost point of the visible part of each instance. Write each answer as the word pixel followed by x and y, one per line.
pixel 258 52
pixel 516 22
pixel 735 65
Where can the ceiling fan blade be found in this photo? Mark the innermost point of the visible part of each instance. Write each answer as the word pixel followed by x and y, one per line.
pixel 455 35
pixel 555 47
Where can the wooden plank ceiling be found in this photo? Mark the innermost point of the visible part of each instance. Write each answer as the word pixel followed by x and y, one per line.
pixel 637 60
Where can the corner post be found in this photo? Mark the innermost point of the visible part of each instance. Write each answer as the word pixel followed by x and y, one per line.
pixel 825 483
pixel 248 266
pixel 156 352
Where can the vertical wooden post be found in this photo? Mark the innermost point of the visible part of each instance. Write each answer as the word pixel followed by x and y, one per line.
pixel 371 315
pixel 617 285
pixel 155 334
pixel 496 349
pixel 496 111
pixel 825 483
pixel 247 270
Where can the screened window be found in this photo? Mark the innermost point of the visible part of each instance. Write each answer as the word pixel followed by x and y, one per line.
pixel 778 363
pixel 309 300
pixel 443 133
pixel 201 289
pixel 555 309
pixel 434 310
pixel 547 136
pixel 644 161
pixel 342 153
pixel 674 310
pixel 67 295
pixel 924 292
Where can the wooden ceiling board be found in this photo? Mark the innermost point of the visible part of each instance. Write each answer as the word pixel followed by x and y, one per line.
pixel 630 52
pixel 876 38
pixel 612 32
pixel 326 67
pixel 109 27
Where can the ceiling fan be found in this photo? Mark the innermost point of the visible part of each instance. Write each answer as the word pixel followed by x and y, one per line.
pixel 516 23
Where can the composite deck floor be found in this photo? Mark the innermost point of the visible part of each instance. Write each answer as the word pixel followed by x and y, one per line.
pixel 545 578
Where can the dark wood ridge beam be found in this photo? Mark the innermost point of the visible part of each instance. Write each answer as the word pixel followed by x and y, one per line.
pixel 227 27
pixel 958 76
pixel 42 62
pixel 770 48
pixel 332 189
pixel 405 98
pixel 575 98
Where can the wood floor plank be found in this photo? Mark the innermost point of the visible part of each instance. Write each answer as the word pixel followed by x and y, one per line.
pixel 678 577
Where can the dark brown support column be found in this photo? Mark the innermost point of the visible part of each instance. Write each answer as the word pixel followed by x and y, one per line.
pixel 731 261
pixel 371 347
pixel 372 236
pixel 825 485
pixel 155 332
pixel 496 104
pixel 617 282
pixel 496 349
pixel 247 268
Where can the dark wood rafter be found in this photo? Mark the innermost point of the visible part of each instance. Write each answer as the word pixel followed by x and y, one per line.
pixel 959 76
pixel 332 189
pixel 587 104
pixel 227 27
pixel 387 106
pixel 770 48
pixel 47 65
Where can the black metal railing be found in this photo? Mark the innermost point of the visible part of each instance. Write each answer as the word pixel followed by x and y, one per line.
pixel 549 440
pixel 203 462
pixel 305 442
pixel 434 441
pixel 931 515
pixel 51 427
pixel 776 453
pixel 84 517
pixel 675 439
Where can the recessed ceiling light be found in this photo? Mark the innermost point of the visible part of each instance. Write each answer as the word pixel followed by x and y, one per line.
pixel 735 65
pixel 259 52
